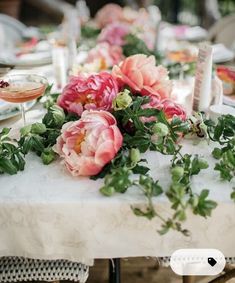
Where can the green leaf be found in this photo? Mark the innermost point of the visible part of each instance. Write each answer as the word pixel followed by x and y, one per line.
pixel 55 117
pixel 89 31
pixel 204 207
pixel 4 133
pixel 7 166
pixel 218 131
pixel 139 169
pixel 26 145
pixel 233 195
pixel 149 213
pixel 180 215
pixel 21 162
pixel 156 189
pixel 37 143
pixel 119 179
pixel 225 173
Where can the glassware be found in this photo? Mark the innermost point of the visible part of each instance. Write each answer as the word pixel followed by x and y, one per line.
pixel 182 57
pixel 72 31
pixel 22 88
pixel 83 11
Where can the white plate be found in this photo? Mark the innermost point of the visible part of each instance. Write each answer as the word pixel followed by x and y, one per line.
pixel 9 110
pixel 229 100
pixel 221 53
pixel 34 59
pixel 27 60
pixel 195 33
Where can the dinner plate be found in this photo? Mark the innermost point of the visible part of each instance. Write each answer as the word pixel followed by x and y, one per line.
pixel 229 100
pixel 221 54
pixel 188 33
pixel 12 28
pixel 9 110
pixel 34 59
pixel 28 60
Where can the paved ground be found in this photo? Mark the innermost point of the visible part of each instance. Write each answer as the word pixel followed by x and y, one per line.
pixel 139 270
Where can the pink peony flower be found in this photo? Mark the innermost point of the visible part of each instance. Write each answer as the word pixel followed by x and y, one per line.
pixel 172 109
pixel 88 144
pixel 107 54
pixel 114 34
pixel 110 13
pixel 85 93
pixel 169 107
pixel 142 76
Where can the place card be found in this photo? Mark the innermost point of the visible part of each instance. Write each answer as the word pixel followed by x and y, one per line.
pixel 202 88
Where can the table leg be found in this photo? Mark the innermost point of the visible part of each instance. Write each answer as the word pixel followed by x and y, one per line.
pixel 188 279
pixel 115 270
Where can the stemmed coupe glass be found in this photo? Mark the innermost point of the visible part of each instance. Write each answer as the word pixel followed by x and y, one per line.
pixel 22 88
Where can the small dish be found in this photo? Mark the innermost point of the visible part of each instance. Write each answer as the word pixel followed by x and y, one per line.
pixel 14 111
pixel 216 110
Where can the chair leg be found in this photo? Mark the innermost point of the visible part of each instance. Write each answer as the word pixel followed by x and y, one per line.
pixel 188 279
pixel 115 270
pixel 225 277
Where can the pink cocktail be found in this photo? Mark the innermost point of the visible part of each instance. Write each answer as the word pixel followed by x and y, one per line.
pixel 22 88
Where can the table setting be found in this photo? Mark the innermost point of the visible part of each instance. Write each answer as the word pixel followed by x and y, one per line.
pixel 114 146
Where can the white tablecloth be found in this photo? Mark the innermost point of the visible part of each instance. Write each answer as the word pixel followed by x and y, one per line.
pixel 46 213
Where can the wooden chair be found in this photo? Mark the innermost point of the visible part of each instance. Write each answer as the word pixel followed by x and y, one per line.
pixel 223 31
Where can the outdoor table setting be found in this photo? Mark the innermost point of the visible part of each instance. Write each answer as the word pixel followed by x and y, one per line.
pixel 124 148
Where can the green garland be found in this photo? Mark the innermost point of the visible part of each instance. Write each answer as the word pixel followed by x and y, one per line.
pixel 138 138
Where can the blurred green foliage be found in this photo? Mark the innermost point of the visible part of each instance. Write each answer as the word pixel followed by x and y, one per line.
pixel 168 7
pixel 226 7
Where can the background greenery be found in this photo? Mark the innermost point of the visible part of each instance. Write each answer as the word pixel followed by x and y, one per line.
pixel 192 8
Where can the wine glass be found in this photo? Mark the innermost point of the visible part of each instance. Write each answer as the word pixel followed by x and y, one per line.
pixel 182 57
pixel 22 88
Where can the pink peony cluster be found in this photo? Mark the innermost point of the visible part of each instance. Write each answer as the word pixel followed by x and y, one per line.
pixel 84 93
pixel 108 55
pixel 91 142
pixel 110 13
pixel 169 107
pixel 88 144
pixel 141 74
pixel 114 34
pixel 172 109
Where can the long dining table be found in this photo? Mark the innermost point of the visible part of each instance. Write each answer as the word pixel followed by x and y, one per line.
pixel 45 213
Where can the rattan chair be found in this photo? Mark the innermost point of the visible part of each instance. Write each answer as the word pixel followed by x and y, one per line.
pixel 19 269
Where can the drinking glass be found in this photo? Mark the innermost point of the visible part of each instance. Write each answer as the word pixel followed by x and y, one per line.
pixel 22 88
pixel 182 57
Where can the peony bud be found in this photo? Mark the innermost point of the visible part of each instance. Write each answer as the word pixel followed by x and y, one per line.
pixel 156 139
pixel 38 128
pixel 48 156
pixel 177 173
pixel 203 164
pixel 135 155
pixel 160 129
pixel 107 190
pixel 122 101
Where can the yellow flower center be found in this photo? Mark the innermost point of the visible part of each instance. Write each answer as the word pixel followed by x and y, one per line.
pixel 80 139
pixel 86 99
pixel 103 64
